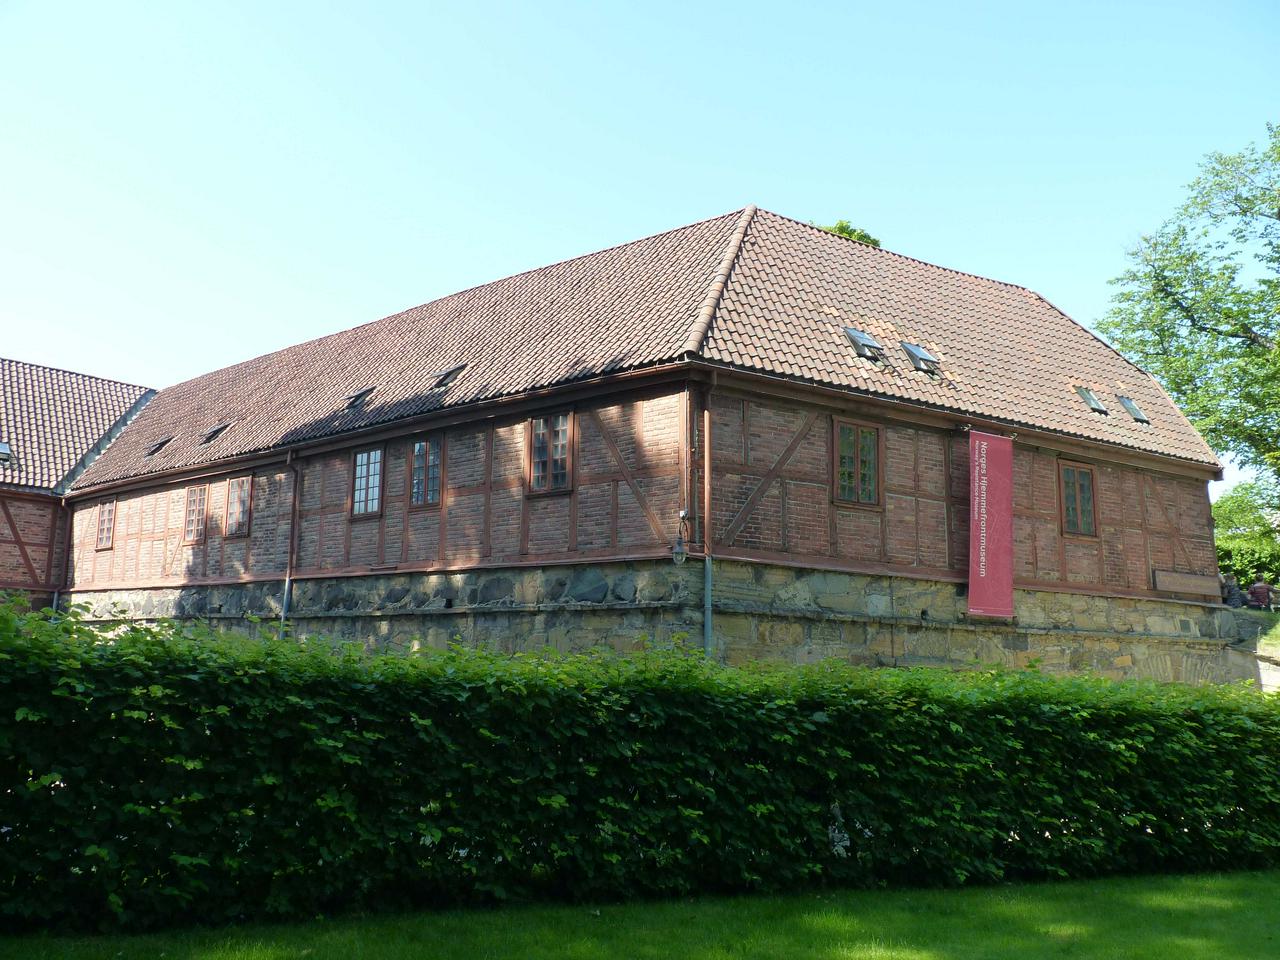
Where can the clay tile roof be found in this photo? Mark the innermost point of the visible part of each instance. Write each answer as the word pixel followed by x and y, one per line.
pixel 749 289
pixel 1006 353
pixel 55 421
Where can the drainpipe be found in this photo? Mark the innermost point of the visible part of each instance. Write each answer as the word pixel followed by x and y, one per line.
pixel 708 643
pixel 64 577
pixel 293 543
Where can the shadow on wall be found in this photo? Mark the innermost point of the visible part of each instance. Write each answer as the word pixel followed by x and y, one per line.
pixel 214 604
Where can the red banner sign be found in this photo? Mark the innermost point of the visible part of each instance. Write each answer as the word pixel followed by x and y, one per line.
pixel 990 525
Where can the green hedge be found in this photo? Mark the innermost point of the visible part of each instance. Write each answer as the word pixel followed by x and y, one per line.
pixel 171 776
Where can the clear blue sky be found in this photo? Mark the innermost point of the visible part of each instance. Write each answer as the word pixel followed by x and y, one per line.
pixel 186 185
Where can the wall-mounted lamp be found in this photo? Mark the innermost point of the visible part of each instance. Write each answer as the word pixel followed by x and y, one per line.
pixel 679 550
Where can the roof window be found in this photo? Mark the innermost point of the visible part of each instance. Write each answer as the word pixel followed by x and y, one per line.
pixel 1131 407
pixel 157 446
pixel 6 452
pixel 865 344
pixel 922 359
pixel 1091 398
pixel 356 400
pixel 215 433
pixel 446 377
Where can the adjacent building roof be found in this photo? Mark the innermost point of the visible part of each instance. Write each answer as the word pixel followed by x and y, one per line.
pixel 750 289
pixel 55 422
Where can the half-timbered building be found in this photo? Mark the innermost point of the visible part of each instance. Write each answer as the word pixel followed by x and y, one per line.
pixel 788 411
pixel 53 423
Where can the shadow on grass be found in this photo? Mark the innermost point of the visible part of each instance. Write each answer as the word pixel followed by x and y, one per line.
pixel 1224 917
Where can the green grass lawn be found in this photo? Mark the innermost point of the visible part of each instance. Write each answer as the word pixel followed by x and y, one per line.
pixel 1221 916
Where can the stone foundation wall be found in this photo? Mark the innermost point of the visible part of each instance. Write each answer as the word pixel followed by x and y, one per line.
pixel 761 611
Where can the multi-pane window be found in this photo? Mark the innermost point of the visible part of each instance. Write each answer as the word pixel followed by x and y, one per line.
pixel 238 506
pixel 424 485
pixel 106 524
pixel 193 529
pixel 1077 500
pixel 857 463
pixel 366 488
pixel 549 467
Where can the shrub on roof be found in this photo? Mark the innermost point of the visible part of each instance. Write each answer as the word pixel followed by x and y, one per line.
pixel 170 775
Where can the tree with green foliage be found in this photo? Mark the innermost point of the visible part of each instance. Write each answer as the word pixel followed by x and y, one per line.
pixel 843 228
pixel 1246 523
pixel 1199 306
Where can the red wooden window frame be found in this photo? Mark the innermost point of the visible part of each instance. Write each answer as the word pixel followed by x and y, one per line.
pixel 540 470
pixel 106 525
pixel 425 484
pixel 1071 500
pixel 366 497
pixel 853 495
pixel 196 515
pixel 241 529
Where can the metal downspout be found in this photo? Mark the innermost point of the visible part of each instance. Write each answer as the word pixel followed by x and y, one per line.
pixel 285 601
pixel 708 635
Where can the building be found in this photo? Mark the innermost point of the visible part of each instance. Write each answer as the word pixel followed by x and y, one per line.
pixel 53 424
pixel 517 464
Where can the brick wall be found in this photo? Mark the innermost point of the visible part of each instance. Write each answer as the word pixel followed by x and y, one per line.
pixel 625 500
pixel 31 543
pixel 772 499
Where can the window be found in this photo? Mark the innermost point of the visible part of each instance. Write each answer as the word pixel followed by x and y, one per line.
pixel 106 524
pixel 1091 398
pixel 238 496
pixel 356 400
pixel 922 359
pixel 366 486
pixel 446 377
pixel 549 462
pixel 1135 411
pixel 157 446
pixel 865 344
pixel 6 452
pixel 193 529
pixel 1077 500
pixel 214 433
pixel 857 465
pixel 424 482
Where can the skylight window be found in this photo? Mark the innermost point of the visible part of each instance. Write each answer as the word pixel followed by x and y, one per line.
pixel 922 359
pixel 158 446
pixel 865 344
pixel 356 400
pixel 1131 406
pixel 1091 398
pixel 6 452
pixel 446 377
pixel 215 433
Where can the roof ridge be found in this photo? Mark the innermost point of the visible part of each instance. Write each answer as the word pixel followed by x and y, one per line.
pixel 74 373
pixel 702 323
pixel 903 256
pixel 448 296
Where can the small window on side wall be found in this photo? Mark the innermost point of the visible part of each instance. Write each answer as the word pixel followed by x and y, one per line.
pixel 857 463
pixel 366 483
pixel 239 493
pixel 197 500
pixel 550 458
pixel 424 480
pixel 1078 510
pixel 106 524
